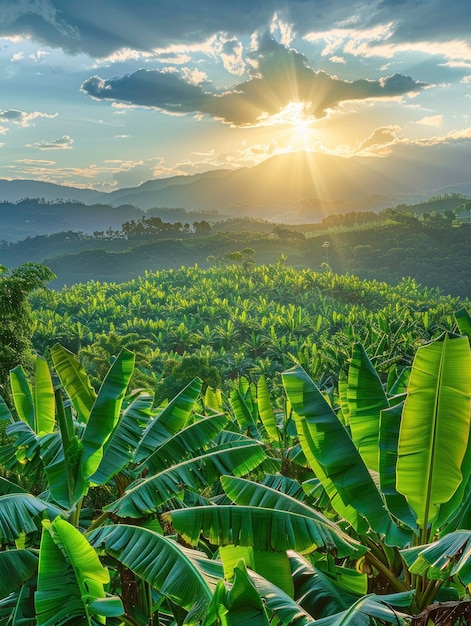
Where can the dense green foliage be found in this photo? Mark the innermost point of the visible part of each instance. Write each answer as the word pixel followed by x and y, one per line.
pixel 240 320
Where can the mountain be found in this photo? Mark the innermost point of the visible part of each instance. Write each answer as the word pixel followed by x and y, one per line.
pixel 14 190
pixel 295 187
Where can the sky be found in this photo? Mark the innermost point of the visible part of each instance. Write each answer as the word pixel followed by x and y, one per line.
pixel 106 94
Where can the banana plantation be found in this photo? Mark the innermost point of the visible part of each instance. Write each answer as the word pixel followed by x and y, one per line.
pixel 239 447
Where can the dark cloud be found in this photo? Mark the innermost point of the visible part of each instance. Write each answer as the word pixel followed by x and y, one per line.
pixel 279 76
pixel 101 27
pixel 11 115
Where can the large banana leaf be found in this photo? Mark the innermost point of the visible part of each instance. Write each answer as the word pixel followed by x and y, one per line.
pixel 70 578
pixel 247 493
pixel 189 441
pixel 21 513
pixel 434 434
pixel 164 564
pixel 170 421
pixel 16 567
pixel 366 399
pixel 463 319
pixel 145 495
pixel 74 379
pixel 338 463
pixel 105 412
pixel 263 528
pixel 121 446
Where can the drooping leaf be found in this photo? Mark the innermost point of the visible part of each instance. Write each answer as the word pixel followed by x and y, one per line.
pixel 372 606
pixel 145 495
pixel 264 529
pixel 366 399
pixel 434 434
pixel 21 513
pixel 16 567
pixel 160 561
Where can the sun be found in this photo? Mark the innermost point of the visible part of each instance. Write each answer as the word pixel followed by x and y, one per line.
pixel 296 125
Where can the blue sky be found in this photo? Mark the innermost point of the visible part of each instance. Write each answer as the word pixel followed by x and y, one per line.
pixel 109 93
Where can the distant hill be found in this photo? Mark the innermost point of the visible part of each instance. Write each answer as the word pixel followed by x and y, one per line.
pixel 293 188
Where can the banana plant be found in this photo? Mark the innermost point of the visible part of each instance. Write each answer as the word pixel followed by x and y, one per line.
pixel 396 469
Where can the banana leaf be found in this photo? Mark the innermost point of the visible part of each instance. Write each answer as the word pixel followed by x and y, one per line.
pixel 5 413
pixel 74 379
pixel 390 422
pixel 263 528
pixel 189 441
pixel 145 495
pixel 121 446
pixel 241 605
pixel 442 559
pixel 265 411
pixel 16 567
pixel 247 493
pixel 377 607
pixel 337 462
pixel 43 399
pixel 243 414
pixel 434 434
pixel 21 513
pixel 463 320
pixel 316 592
pixel 22 395
pixel 170 421
pixel 71 578
pixel 366 399
pixel 105 412
pixel 160 561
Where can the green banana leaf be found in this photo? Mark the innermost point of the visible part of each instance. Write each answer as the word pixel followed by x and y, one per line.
pixel 247 493
pixel 74 379
pixel 377 607
pixel 390 422
pixel 5 413
pixel 316 592
pixel 265 411
pixel 435 426
pixel 442 559
pixel 167 566
pixel 119 450
pixel 171 420
pixel 105 412
pixel 7 487
pixel 22 395
pixel 286 485
pixel 70 578
pixel 43 399
pixel 274 566
pixel 241 605
pixel 463 320
pixel 145 495
pixel 243 413
pixel 16 567
pixel 263 528
pixel 337 462
pixel 190 440
pixel 21 513
pixel 366 399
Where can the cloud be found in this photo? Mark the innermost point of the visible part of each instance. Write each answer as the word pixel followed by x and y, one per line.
pixel 23 118
pixel 431 120
pixel 278 76
pixel 105 27
pixel 61 143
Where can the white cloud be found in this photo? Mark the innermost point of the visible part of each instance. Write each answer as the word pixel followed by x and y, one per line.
pixel 17 56
pixel 61 143
pixel 431 120
pixel 22 118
